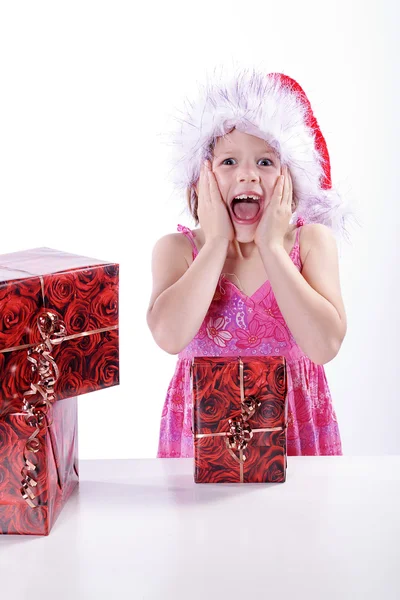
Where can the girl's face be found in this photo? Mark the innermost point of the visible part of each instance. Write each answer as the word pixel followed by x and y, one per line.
pixel 243 162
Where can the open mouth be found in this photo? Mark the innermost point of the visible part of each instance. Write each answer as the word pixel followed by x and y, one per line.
pixel 246 208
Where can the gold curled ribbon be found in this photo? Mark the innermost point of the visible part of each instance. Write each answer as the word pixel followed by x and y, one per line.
pixel 240 432
pixel 53 331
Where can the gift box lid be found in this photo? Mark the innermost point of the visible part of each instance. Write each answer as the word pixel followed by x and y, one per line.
pixel 80 296
pixel 82 291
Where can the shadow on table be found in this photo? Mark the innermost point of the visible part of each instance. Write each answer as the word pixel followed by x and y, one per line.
pixel 179 489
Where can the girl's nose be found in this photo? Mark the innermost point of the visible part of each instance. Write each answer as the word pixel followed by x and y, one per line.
pixel 250 176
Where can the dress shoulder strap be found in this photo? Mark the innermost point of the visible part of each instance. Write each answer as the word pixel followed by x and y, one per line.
pixel 188 233
pixel 300 222
pixel 295 253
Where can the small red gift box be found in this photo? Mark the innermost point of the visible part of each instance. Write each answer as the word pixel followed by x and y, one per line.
pixel 58 340
pixel 239 419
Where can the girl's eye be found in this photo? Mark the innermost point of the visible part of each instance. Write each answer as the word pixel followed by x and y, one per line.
pixel 262 159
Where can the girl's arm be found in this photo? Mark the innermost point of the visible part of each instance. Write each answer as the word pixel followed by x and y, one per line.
pixel 310 301
pixel 182 295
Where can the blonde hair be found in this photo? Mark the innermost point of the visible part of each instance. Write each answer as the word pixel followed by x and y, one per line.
pixel 193 203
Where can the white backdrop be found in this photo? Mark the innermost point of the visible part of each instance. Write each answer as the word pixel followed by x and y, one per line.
pixel 86 90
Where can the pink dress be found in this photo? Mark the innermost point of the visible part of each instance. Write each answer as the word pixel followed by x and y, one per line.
pixel 237 324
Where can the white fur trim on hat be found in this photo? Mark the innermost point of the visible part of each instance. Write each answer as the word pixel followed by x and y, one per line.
pixel 270 107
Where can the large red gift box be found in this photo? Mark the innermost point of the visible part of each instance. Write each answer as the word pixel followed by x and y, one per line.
pixel 239 419
pixel 58 340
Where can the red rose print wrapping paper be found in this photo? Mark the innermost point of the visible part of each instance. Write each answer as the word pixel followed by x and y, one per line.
pixel 239 419
pixel 58 340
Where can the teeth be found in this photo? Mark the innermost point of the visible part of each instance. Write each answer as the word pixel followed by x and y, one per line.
pixel 244 197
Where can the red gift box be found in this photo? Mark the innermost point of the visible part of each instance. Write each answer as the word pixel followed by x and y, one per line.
pixel 58 340
pixel 239 419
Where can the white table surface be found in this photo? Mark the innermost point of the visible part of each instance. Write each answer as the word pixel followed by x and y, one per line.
pixel 143 529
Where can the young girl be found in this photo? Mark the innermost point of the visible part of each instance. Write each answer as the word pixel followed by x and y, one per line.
pixel 260 275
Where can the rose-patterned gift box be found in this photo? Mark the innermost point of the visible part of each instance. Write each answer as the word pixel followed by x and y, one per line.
pixel 58 340
pixel 239 419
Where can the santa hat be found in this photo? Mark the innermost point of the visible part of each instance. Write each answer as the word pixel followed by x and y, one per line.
pixel 275 108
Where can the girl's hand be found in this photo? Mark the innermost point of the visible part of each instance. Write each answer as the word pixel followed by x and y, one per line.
pixel 274 223
pixel 213 214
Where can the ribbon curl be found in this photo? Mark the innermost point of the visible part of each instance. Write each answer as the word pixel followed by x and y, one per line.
pixel 53 331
